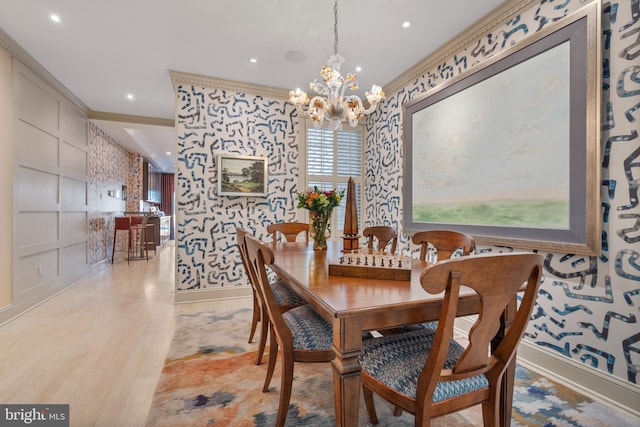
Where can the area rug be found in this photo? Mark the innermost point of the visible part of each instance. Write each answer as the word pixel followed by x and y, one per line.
pixel 210 379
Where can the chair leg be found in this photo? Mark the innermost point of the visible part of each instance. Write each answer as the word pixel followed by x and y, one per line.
pixel 397 411
pixel 264 328
pixel 368 402
pixel 273 355
pixel 286 382
pixel 491 411
pixel 256 317
pixel 113 249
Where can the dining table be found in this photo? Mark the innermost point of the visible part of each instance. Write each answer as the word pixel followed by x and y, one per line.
pixel 356 304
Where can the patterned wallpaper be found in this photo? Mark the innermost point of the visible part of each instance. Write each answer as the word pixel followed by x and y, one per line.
pixel 110 166
pixel 134 182
pixel 212 122
pixel 588 306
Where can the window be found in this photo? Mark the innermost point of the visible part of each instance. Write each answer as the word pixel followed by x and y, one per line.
pixel 331 158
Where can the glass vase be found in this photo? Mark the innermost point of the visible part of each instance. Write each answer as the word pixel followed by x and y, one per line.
pixel 319 228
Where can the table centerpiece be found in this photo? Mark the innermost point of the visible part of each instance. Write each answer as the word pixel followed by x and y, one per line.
pixel 320 205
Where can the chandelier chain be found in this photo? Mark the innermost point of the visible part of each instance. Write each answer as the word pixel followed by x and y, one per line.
pixel 335 28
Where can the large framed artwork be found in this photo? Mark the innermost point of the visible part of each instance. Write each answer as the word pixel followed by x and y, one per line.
pixel 509 151
pixel 242 175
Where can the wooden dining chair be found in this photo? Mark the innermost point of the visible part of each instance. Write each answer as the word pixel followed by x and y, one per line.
pixel 383 234
pixel 286 298
pixel 447 243
pixel 301 334
pixel 290 230
pixel 433 374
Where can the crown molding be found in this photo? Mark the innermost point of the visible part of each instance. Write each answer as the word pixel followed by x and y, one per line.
pixel 127 118
pixel 19 54
pixel 498 16
pixel 180 77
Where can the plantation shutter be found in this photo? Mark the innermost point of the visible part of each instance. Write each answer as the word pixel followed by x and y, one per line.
pixel 333 157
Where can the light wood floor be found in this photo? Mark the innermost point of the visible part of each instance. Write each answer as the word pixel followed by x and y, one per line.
pixel 99 345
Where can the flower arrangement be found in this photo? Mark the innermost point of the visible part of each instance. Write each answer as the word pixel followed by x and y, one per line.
pixel 320 204
pixel 316 200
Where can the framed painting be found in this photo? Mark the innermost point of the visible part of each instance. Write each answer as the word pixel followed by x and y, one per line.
pixel 509 151
pixel 242 175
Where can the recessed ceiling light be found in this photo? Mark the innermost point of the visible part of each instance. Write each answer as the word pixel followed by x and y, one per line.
pixel 168 153
pixel 253 60
pixel 406 24
pixel 358 69
pixel 54 17
pixel 130 96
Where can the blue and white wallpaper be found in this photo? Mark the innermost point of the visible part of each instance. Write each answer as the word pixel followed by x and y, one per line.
pixel 588 307
pixel 212 122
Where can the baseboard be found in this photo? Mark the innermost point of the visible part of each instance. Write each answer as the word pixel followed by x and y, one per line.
pixel 590 382
pixel 211 294
pixel 15 310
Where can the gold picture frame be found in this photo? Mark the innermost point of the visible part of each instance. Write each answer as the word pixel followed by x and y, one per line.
pixel 509 152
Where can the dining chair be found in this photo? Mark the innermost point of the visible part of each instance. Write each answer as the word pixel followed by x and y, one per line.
pixel 434 374
pixel 290 230
pixel 285 297
pixel 383 234
pixel 447 243
pixel 300 333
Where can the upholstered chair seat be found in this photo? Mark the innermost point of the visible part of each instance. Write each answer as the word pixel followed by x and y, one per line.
pixel 398 360
pixel 284 295
pixel 310 330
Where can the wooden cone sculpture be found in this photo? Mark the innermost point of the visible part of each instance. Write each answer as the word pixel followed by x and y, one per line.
pixel 350 238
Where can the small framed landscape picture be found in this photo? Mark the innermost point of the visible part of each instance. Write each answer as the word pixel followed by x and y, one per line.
pixel 242 175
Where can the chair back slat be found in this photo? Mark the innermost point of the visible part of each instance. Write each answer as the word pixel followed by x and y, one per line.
pixel 384 235
pixel 445 242
pixel 290 230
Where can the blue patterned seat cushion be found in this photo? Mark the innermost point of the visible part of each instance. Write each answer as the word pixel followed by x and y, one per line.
pixel 397 361
pixel 284 295
pixel 310 330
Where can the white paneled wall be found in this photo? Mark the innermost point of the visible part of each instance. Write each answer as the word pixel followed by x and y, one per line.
pixel 50 172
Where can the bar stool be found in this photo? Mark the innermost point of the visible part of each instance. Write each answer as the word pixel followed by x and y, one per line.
pixel 151 238
pixel 122 224
pixel 139 225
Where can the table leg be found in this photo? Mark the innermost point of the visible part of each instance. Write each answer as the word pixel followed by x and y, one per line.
pixel 347 342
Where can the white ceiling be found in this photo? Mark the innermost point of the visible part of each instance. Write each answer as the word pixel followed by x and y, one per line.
pixel 103 50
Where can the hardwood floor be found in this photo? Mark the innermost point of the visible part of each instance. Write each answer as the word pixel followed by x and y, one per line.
pixel 99 345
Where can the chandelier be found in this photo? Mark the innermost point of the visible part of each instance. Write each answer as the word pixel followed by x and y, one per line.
pixel 331 103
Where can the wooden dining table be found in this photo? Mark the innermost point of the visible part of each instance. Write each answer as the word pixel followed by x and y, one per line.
pixel 356 304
